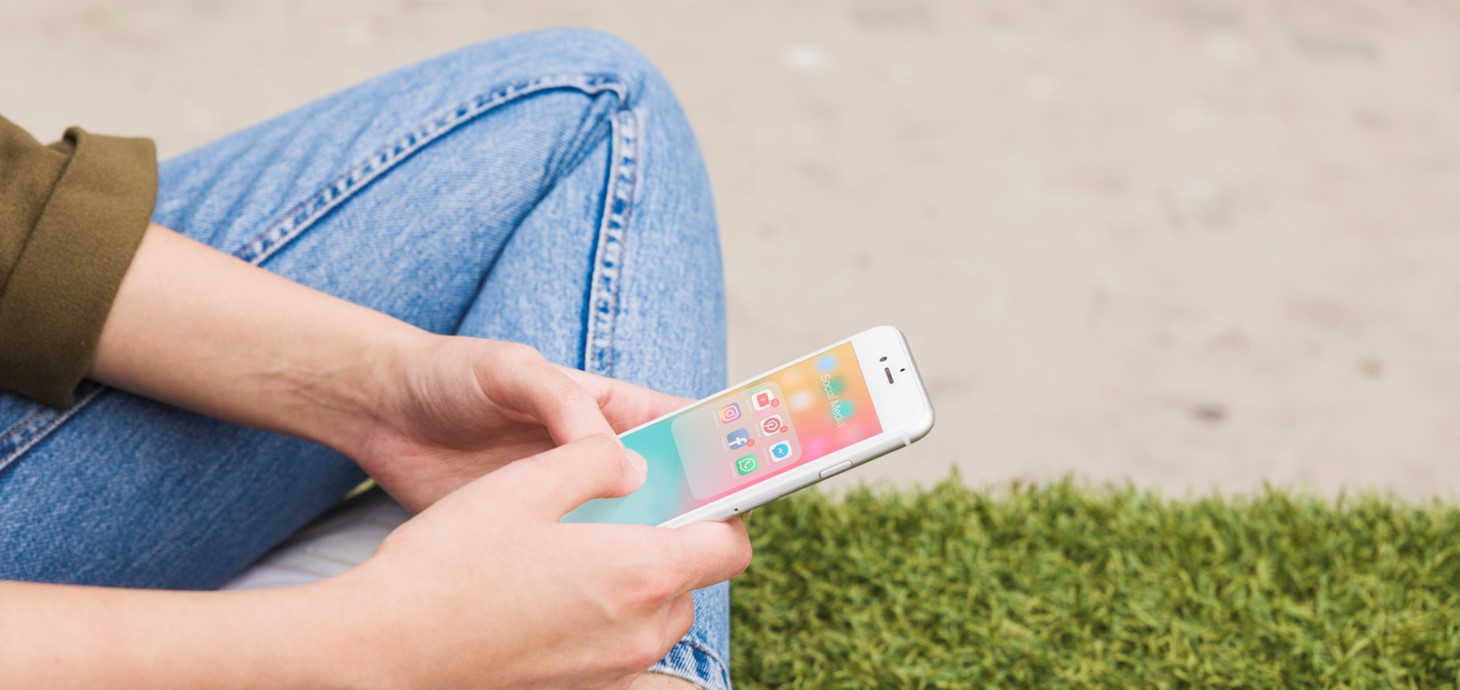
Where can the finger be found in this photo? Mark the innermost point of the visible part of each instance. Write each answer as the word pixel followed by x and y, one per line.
pixel 680 618
pixel 626 405
pixel 559 403
pixel 624 683
pixel 706 553
pixel 555 482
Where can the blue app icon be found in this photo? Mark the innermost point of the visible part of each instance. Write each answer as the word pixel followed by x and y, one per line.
pixel 737 439
pixel 781 451
pixel 826 364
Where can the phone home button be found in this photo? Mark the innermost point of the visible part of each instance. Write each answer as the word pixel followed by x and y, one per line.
pixel 836 469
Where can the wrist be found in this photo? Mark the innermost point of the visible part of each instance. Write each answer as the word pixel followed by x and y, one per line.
pixel 346 405
pixel 361 635
pixel 334 635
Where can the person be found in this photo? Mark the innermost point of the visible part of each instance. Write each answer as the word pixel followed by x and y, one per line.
pixel 460 279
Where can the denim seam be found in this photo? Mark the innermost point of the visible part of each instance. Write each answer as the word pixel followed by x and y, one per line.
pixel 706 651
pixel 46 421
pixel 687 677
pixel 618 200
pixel 15 429
pixel 625 152
pixel 36 426
pixel 304 215
pixel 694 648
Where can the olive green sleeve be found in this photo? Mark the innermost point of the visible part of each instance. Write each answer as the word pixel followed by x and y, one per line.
pixel 71 217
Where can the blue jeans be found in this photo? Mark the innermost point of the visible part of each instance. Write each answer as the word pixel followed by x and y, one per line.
pixel 542 188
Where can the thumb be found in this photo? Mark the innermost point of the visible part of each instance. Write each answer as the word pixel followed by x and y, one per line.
pixel 559 480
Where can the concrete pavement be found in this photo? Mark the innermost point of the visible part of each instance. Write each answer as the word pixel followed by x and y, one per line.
pixel 1190 244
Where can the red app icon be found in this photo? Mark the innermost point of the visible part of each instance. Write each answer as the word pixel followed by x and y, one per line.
pixel 763 400
pixel 772 425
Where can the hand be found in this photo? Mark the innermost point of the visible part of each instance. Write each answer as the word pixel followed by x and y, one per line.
pixel 487 588
pixel 423 414
pixel 450 409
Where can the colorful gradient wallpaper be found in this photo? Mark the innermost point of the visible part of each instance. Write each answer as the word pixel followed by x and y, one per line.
pixel 744 436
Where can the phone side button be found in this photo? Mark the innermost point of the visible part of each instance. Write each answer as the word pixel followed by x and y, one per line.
pixel 836 469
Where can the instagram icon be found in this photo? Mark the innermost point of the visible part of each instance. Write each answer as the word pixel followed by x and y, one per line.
pixel 729 413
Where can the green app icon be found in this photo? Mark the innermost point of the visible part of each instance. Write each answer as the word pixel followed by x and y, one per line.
pixel 746 464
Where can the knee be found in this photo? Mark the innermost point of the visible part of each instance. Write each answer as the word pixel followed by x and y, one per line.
pixel 594 46
pixel 580 51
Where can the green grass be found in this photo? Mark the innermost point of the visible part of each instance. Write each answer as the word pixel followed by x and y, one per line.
pixel 1061 586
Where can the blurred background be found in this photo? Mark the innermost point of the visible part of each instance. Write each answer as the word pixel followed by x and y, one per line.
pixel 1186 243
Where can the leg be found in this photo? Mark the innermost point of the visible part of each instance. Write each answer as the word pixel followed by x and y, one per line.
pixel 402 194
pixel 654 307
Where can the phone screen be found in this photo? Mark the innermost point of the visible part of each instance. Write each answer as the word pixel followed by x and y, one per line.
pixel 744 436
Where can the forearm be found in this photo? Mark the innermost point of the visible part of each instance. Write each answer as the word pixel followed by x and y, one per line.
pixel 201 330
pixel 57 636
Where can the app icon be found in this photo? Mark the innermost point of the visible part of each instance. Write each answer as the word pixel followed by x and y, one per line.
pixel 729 413
pixel 746 464
pixel 763 400
pixel 772 424
pixel 826 364
pixel 738 439
pixel 781 451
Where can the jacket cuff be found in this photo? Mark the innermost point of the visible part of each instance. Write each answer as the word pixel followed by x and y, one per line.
pixel 62 286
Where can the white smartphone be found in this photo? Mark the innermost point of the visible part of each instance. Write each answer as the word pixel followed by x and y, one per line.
pixel 774 434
